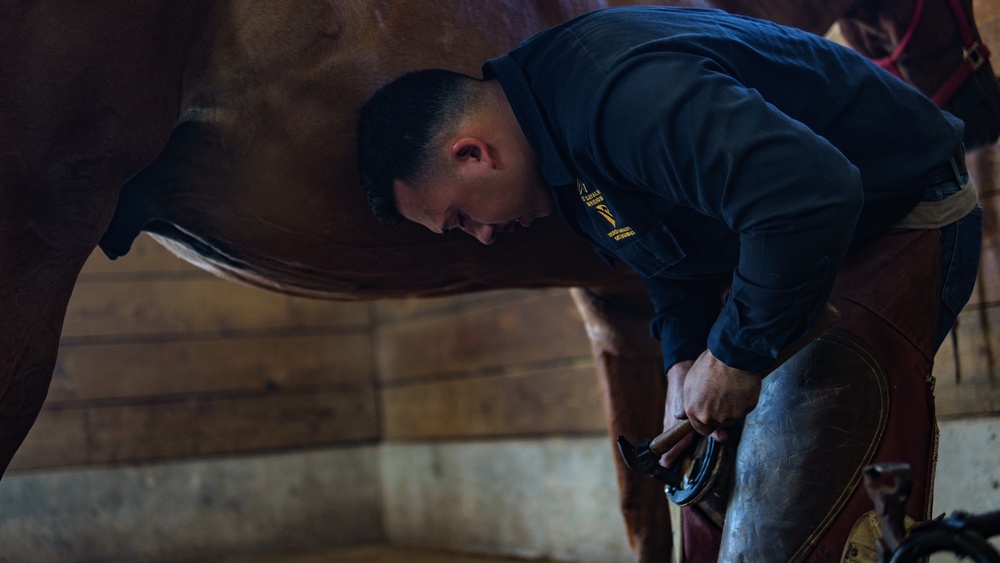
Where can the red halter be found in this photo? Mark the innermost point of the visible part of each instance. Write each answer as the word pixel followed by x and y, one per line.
pixel 974 53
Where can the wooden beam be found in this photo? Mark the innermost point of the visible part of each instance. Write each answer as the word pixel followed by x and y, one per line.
pixel 537 328
pixel 196 367
pixel 554 401
pixel 198 426
pixel 974 388
pixel 988 285
pixel 211 306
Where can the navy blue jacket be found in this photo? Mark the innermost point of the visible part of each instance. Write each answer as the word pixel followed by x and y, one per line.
pixel 702 148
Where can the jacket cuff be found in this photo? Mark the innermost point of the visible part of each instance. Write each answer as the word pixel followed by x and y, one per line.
pixel 737 350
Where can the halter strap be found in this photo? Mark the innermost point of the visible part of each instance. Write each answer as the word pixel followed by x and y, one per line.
pixel 889 63
pixel 974 53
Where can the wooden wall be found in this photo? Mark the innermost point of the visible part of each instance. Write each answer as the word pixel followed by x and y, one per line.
pixel 970 386
pixel 159 360
pixel 500 364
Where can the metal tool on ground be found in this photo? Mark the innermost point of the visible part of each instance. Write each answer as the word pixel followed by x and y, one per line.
pixel 645 459
pixel 967 535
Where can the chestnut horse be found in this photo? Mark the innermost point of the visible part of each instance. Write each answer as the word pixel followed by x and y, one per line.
pixel 226 130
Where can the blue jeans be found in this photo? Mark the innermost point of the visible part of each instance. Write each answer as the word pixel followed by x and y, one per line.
pixel 961 243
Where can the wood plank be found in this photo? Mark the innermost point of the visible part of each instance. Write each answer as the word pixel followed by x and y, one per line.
pixel 983 166
pixel 988 284
pixel 118 370
pixel 974 389
pixel 198 427
pixel 388 311
pixel 209 305
pixel 987 20
pixel 146 256
pixel 536 328
pixel 555 401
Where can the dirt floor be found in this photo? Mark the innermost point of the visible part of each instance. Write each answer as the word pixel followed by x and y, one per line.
pixel 380 554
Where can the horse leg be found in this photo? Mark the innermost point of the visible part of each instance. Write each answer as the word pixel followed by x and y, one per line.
pixel 45 237
pixel 86 114
pixel 630 371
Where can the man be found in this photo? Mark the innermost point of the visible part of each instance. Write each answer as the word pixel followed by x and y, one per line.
pixel 715 155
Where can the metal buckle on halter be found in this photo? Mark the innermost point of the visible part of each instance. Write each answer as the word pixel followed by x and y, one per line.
pixel 974 55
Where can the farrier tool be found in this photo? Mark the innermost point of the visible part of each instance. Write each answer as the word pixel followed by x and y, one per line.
pixel 645 459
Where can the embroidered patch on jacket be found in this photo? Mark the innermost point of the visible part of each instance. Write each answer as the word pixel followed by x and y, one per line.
pixel 595 200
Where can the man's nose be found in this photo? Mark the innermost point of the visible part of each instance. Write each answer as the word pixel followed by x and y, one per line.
pixel 486 234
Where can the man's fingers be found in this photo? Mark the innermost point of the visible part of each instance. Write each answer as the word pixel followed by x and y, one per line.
pixel 708 425
pixel 701 427
pixel 721 435
pixel 716 395
pixel 675 390
pixel 675 453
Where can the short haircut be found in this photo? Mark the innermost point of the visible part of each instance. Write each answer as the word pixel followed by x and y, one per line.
pixel 397 129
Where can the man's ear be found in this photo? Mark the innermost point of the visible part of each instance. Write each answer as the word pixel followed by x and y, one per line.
pixel 470 150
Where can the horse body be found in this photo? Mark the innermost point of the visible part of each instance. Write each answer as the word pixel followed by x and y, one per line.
pixel 258 182
pixel 227 130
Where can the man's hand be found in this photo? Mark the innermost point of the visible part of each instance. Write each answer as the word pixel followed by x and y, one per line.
pixel 673 414
pixel 717 396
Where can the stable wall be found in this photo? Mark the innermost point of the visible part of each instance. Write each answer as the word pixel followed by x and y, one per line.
pixel 190 416
pixel 493 429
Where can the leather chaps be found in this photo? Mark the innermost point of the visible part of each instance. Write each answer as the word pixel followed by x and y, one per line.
pixel 862 393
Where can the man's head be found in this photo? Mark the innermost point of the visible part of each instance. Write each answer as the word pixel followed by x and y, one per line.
pixel 445 150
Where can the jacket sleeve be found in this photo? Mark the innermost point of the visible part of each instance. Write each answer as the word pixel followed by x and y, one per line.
pixel 685 312
pixel 682 127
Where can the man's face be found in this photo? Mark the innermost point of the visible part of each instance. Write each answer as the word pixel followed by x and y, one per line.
pixel 479 206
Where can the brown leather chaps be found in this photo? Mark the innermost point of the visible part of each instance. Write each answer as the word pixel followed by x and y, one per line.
pixel 862 393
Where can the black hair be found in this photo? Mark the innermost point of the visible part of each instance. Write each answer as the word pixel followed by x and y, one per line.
pixel 396 129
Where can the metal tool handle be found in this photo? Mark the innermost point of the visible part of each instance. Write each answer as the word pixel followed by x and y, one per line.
pixel 662 443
